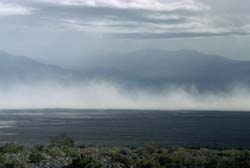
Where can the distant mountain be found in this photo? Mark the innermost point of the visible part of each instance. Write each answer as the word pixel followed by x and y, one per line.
pixel 20 69
pixel 145 68
pixel 160 67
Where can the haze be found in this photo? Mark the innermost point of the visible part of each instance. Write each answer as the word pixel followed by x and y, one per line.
pixel 104 95
pixel 137 54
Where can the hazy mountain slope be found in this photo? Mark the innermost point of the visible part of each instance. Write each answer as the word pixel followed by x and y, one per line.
pixel 160 67
pixel 146 68
pixel 19 69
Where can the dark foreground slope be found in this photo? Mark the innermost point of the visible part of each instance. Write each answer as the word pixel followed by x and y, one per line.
pixel 62 153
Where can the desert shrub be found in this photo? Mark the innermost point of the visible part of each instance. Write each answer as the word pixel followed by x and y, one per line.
pixel 243 159
pixel 36 156
pixel 164 160
pixel 199 161
pixel 150 156
pixel 91 150
pixel 2 160
pixel 120 158
pixel 16 164
pixel 62 140
pixel 55 152
pixel 211 162
pixel 181 157
pixel 225 163
pixel 11 148
pixel 139 152
pixel 125 151
pixel 86 162
pixel 150 148
pixel 40 148
pixel 72 152
pixel 147 163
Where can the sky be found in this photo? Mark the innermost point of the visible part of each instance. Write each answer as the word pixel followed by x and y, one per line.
pixel 66 31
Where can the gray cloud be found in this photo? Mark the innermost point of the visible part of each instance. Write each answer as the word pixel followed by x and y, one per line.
pixel 126 19
pixel 153 5
pixel 9 9
pixel 49 31
pixel 167 35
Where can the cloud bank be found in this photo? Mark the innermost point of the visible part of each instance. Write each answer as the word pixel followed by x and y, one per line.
pixel 134 4
pixel 104 95
pixel 127 18
pixel 10 9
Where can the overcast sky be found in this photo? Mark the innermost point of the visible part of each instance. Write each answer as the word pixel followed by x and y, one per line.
pixel 64 31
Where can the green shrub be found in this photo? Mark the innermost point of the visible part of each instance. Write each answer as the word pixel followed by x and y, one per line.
pixel 164 160
pixel 120 158
pixel 150 156
pixel 62 140
pixel 40 148
pixel 147 163
pixel 125 151
pixel 11 148
pixel 55 152
pixel 16 164
pixel 36 156
pixel 86 162
pixel 150 148
pixel 2 160
pixel 72 152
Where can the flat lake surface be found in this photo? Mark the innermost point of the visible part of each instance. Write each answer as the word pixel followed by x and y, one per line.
pixel 128 127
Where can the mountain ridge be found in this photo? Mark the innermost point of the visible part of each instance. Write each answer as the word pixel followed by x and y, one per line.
pixel 162 67
pixel 151 67
pixel 15 69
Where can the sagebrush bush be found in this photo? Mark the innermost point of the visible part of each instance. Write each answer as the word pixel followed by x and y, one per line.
pixel 55 152
pixel 16 164
pixel 36 156
pixel 61 141
pixel 62 153
pixel 86 162
pixel 11 148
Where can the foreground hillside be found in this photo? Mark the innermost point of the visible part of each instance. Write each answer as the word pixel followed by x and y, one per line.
pixel 62 153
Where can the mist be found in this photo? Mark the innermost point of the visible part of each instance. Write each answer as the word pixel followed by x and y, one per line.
pixel 108 95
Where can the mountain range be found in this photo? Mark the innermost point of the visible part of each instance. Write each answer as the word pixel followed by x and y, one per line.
pixel 23 70
pixel 149 68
